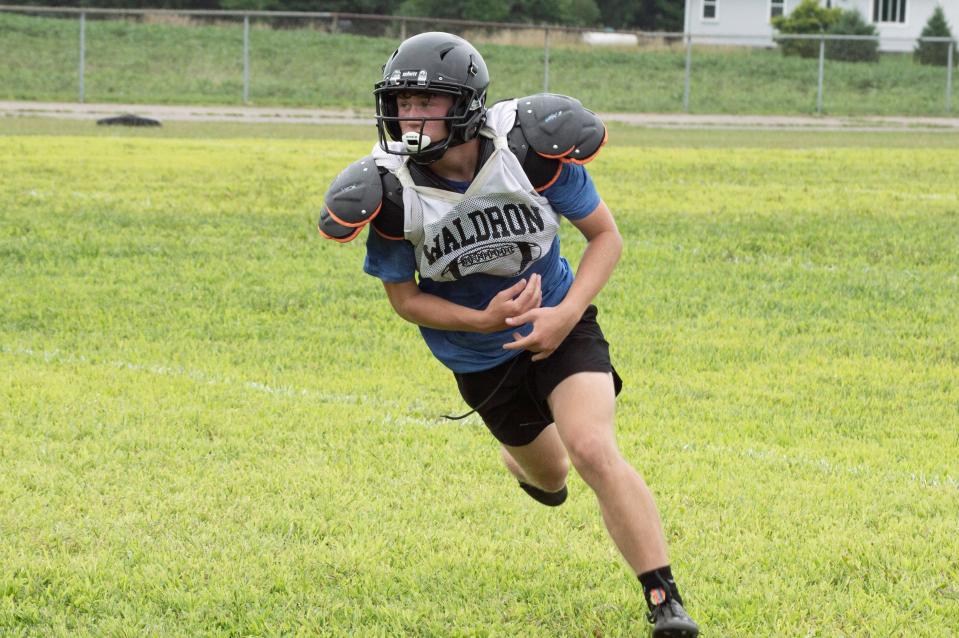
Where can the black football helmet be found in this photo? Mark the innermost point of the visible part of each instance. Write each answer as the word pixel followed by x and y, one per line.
pixel 432 62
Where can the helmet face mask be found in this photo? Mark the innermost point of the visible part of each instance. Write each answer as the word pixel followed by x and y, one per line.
pixel 434 63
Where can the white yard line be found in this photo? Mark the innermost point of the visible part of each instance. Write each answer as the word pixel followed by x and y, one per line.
pixel 825 466
pixel 768 457
pixel 205 379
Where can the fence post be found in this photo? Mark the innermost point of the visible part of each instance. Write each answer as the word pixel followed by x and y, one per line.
pixel 246 59
pixel 402 29
pixel 83 53
pixel 822 57
pixel 546 60
pixel 952 46
pixel 689 64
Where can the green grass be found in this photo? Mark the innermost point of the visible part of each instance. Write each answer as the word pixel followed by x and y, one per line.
pixel 161 63
pixel 212 423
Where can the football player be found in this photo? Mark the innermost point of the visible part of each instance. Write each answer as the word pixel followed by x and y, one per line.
pixel 465 203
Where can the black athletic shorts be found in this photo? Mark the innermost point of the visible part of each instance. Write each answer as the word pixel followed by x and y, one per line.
pixel 511 397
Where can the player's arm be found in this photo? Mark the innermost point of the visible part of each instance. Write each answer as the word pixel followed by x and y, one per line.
pixel 560 129
pixel 431 311
pixel 552 325
pixel 603 249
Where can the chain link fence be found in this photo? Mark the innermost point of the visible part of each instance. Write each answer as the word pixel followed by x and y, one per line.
pixel 266 57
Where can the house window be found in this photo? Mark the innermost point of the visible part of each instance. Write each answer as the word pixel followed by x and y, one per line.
pixel 889 11
pixel 710 9
pixel 776 8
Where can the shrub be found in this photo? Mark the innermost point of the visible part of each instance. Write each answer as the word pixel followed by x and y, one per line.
pixel 807 18
pixel 934 52
pixel 852 23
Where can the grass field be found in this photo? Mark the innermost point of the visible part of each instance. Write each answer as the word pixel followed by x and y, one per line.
pixel 166 63
pixel 212 423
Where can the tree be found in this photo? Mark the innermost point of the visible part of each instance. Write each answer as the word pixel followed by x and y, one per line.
pixel 934 52
pixel 647 15
pixel 807 18
pixel 662 15
pixel 430 8
pixel 248 5
pixel 620 14
pixel 571 12
pixel 579 13
pixel 852 23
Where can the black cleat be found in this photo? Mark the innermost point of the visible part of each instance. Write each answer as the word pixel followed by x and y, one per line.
pixel 670 620
pixel 546 498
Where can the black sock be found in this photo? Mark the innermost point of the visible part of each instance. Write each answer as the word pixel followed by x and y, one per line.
pixel 658 583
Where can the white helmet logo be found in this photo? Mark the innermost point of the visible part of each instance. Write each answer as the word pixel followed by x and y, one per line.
pixel 421 78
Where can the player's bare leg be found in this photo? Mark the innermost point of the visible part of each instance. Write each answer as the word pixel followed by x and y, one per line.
pixel 583 406
pixel 543 463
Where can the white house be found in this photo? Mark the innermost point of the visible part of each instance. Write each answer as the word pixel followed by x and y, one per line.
pixel 748 22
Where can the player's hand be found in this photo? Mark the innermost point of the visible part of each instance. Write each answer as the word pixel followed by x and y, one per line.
pixel 550 327
pixel 518 299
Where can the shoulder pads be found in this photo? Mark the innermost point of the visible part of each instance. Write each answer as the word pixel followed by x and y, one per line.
pixel 541 171
pixel 560 127
pixel 389 223
pixel 353 200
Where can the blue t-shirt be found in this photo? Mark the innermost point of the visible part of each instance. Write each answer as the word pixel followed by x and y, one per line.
pixel 573 195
